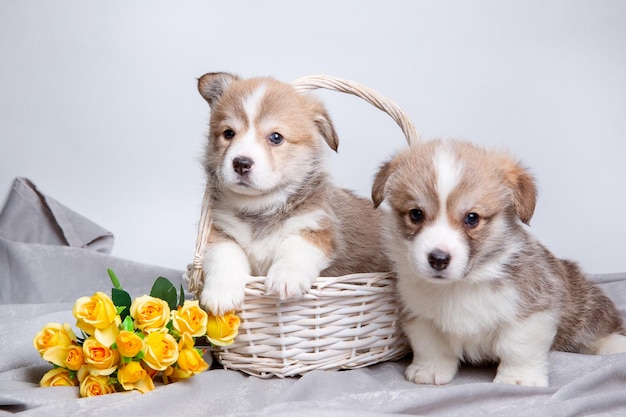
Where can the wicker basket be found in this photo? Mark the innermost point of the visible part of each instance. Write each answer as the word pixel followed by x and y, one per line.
pixel 344 322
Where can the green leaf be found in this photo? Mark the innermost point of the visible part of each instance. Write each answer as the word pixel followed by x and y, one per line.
pixel 166 291
pixel 114 280
pixel 128 324
pixel 122 300
pixel 181 300
pixel 171 330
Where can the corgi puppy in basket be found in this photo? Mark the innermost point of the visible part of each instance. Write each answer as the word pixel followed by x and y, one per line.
pixel 474 284
pixel 274 210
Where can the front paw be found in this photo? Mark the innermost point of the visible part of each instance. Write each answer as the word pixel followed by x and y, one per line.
pixel 286 282
pixel 437 373
pixel 221 296
pixel 531 377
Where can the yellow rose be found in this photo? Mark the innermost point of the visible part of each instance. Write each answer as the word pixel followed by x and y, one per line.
pixel 70 357
pixel 128 343
pixel 74 357
pixel 190 318
pixel 160 350
pixel 133 376
pixel 189 359
pixel 95 312
pixel 174 374
pixel 100 359
pixel 221 330
pixel 82 373
pixel 93 385
pixel 57 377
pixel 53 335
pixel 150 313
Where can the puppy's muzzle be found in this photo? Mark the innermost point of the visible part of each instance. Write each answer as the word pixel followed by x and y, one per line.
pixel 242 165
pixel 439 260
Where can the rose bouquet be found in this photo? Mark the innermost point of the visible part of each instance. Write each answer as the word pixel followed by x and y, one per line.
pixel 125 344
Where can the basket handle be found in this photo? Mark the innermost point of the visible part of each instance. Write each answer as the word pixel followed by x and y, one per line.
pixel 373 97
pixel 193 276
pixel 194 271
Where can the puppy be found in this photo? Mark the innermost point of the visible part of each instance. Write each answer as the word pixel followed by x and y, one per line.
pixel 274 210
pixel 475 285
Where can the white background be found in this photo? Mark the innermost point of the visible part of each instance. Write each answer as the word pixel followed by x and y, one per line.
pixel 99 107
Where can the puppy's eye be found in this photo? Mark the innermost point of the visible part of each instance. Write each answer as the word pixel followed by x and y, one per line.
pixel 275 138
pixel 472 220
pixel 416 215
pixel 229 134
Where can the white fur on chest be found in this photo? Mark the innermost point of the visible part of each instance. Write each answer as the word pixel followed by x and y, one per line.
pixel 468 314
pixel 262 247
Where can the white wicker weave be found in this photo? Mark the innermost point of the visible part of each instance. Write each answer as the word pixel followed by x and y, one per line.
pixel 344 322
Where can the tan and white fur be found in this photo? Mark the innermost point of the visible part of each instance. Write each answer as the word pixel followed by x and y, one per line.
pixel 274 210
pixel 475 284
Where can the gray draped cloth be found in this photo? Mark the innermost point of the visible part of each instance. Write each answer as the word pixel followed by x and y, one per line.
pixel 50 256
pixel 49 253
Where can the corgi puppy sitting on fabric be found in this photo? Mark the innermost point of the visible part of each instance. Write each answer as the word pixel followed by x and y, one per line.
pixel 274 210
pixel 474 284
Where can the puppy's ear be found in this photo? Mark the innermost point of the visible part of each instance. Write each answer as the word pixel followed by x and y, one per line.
pixel 325 126
pixel 378 189
pixel 213 84
pixel 524 189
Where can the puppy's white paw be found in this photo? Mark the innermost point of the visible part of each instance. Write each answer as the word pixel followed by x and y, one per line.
pixel 287 282
pixel 219 296
pixel 527 377
pixel 610 345
pixel 437 373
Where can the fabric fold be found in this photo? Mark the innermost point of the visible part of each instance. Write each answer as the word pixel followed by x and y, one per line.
pixel 50 253
pixel 30 216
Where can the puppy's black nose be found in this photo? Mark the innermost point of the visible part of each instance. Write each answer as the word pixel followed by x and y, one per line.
pixel 242 164
pixel 439 259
